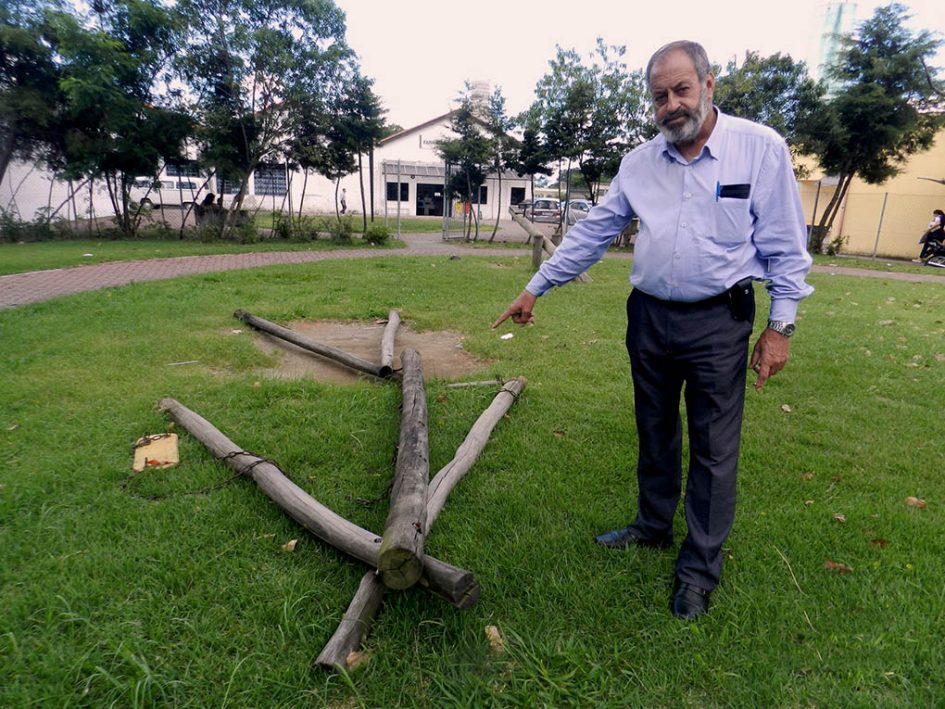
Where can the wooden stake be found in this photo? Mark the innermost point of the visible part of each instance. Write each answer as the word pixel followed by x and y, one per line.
pixel 400 561
pixel 357 619
pixel 332 353
pixel 387 343
pixel 458 586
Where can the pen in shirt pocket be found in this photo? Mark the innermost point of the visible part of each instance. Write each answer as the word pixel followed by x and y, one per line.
pixel 718 191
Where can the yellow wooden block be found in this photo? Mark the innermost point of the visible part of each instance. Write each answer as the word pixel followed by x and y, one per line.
pixel 156 451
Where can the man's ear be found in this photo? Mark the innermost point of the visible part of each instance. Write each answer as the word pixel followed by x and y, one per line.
pixel 709 82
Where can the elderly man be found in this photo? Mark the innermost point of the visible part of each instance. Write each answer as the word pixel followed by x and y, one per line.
pixel 718 208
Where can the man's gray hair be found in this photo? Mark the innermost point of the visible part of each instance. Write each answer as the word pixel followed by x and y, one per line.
pixel 695 51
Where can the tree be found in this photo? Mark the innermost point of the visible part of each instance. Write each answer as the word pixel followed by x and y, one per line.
pixel 502 147
pixel 366 127
pixel 591 113
pixel 774 91
pixel 470 154
pixel 114 124
pixel 257 68
pixel 880 115
pixel 30 99
pixel 533 157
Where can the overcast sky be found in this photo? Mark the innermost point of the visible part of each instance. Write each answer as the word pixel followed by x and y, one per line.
pixel 421 51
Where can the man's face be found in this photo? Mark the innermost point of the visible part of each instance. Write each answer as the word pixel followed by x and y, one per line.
pixel 680 103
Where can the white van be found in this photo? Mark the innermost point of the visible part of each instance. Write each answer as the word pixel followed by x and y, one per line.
pixel 171 192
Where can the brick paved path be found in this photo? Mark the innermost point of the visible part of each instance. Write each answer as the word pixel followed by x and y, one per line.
pixel 23 288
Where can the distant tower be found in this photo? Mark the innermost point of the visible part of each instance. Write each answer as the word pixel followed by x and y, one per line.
pixel 835 19
pixel 479 94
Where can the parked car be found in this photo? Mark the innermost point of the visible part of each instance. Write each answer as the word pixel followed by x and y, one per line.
pixel 545 209
pixel 577 209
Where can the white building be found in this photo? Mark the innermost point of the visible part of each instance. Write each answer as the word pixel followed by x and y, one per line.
pixel 409 179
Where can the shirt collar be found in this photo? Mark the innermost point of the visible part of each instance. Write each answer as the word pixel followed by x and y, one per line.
pixel 713 146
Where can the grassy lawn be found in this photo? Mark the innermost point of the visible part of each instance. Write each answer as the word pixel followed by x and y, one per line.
pixel 110 598
pixel 38 256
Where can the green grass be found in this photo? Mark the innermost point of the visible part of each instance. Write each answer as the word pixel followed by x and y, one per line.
pixel 38 256
pixel 108 598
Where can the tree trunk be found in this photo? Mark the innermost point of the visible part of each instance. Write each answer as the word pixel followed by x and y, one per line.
pixel 332 353
pixel 302 196
pixel 357 619
pixel 363 203
pixel 456 585
pixel 387 343
pixel 400 560
pixel 371 178
pixel 498 206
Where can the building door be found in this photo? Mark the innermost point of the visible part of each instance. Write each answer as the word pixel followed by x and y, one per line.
pixel 429 200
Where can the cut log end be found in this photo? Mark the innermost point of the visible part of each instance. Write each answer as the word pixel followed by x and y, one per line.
pixel 399 568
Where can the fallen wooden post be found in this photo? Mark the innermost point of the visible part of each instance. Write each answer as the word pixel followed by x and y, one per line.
pixel 332 353
pixel 400 560
pixel 387 343
pixel 484 383
pixel 357 619
pixel 456 585
pixel 543 243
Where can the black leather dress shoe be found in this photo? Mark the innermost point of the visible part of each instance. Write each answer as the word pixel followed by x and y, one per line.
pixel 689 601
pixel 629 537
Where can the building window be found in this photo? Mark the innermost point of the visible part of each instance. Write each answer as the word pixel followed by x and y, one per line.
pixel 270 179
pixel 392 191
pixel 517 194
pixel 483 194
pixel 227 186
pixel 184 169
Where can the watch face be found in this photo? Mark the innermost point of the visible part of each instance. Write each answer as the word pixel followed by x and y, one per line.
pixel 789 329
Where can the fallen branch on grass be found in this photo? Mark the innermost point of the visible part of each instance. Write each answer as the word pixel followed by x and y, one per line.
pixel 387 343
pixel 357 619
pixel 332 353
pixel 400 560
pixel 456 585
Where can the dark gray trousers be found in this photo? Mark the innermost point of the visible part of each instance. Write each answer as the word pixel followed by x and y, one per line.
pixel 701 346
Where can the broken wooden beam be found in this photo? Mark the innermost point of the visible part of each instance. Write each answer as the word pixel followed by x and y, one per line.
pixel 456 585
pixel 357 619
pixel 400 560
pixel 387 343
pixel 332 353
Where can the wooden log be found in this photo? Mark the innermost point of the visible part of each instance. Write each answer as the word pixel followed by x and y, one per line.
pixel 332 353
pixel 484 383
pixel 387 343
pixel 400 561
pixel 544 243
pixel 357 619
pixel 458 586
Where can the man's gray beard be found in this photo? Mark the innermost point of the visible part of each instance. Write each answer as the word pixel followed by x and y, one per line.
pixel 687 132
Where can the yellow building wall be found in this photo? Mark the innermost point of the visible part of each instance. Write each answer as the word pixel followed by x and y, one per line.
pixel 891 231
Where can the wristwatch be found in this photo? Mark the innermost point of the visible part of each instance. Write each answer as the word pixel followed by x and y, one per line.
pixel 781 327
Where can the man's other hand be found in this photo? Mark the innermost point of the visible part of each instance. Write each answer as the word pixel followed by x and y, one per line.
pixel 520 310
pixel 769 356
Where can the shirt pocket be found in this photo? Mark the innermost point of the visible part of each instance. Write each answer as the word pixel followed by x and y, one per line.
pixel 733 222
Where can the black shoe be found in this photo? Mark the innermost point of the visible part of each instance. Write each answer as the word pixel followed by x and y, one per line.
pixel 630 537
pixel 688 601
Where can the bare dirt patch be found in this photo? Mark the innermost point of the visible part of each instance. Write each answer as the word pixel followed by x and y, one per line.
pixel 441 352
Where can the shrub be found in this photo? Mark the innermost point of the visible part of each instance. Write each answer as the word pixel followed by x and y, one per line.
pixel 377 234
pixel 834 247
pixel 341 230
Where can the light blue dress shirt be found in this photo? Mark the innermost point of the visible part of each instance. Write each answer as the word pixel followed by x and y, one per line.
pixel 734 211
